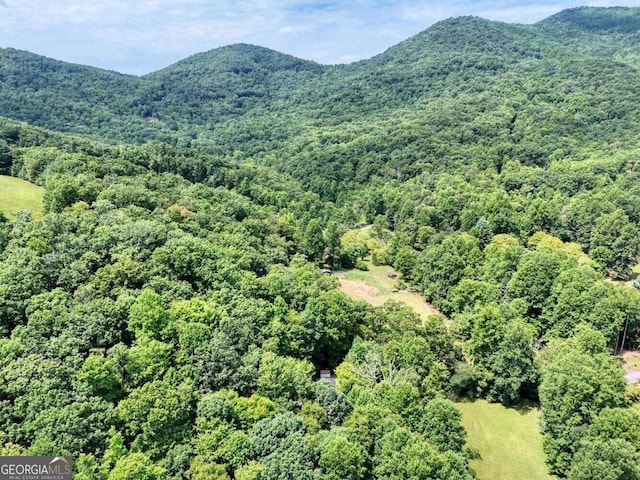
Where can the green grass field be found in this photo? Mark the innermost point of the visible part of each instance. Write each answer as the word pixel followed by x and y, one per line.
pixel 507 439
pixel 17 194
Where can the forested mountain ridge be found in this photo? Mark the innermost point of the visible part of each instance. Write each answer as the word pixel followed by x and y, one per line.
pixel 597 20
pixel 168 316
pixel 461 83
pixel 227 82
pixel 209 88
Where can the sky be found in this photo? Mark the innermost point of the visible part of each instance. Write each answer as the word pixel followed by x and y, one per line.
pixel 141 36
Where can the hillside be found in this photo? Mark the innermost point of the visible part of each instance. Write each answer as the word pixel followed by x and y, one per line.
pixel 171 312
pixel 452 90
pixel 599 21
pixel 207 88
pixel 227 83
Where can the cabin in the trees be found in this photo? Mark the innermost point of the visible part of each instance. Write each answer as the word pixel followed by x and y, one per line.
pixel 328 376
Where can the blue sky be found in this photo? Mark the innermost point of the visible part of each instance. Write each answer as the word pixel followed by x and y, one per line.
pixel 140 36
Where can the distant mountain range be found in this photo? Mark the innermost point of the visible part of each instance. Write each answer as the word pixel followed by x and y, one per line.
pixel 461 87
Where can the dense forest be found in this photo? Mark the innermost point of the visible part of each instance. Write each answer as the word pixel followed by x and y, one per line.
pixel 168 317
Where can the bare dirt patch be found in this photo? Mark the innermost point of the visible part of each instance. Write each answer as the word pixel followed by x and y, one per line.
pixel 361 290
pixel 631 360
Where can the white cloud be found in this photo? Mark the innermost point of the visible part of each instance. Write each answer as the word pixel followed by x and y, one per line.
pixel 424 12
pixel 349 58
pixel 295 29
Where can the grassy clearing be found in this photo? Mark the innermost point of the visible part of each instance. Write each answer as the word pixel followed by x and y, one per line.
pixel 375 287
pixel 508 440
pixel 17 194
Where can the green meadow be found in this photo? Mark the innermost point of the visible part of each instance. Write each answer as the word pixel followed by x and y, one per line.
pixel 18 194
pixel 508 440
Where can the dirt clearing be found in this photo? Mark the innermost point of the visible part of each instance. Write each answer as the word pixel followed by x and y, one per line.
pixel 377 286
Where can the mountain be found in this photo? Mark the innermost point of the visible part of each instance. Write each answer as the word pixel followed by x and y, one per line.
pixel 169 314
pixel 225 82
pixel 70 98
pixel 594 20
pixel 436 100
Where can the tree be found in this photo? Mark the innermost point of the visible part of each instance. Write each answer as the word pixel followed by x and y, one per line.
pixel 501 257
pixel 250 410
pixel 512 367
pixel 199 470
pixel 353 247
pixel 442 425
pixel 102 377
pixel 579 379
pixel 573 298
pixel 114 452
pixel 610 459
pixel 615 243
pixel 342 458
pixel 331 235
pixel 138 466
pixel 156 416
pixel 405 261
pixel 329 324
pixel 469 293
pixel 534 277
pixel 249 472
pixel 80 426
pixel 64 190
pixel 617 423
pixel 216 364
pixel 147 361
pixel 487 332
pixel 483 231
pixel 285 380
pixel 148 316
pixel 282 448
pixel 369 422
pixel 22 275
pixel 6 157
pixel 313 241
pixel 335 404
pixel 440 267
pixel 581 217
pixel 401 398
pixel 391 321
pixel 502 354
pixel 404 454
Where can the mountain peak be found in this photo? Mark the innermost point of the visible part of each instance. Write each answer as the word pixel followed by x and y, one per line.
pixel 242 57
pixel 458 36
pixel 603 20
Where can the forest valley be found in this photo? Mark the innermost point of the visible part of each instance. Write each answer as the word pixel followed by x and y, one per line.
pixel 168 317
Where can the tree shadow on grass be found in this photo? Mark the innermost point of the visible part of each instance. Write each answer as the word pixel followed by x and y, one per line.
pixel 525 406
